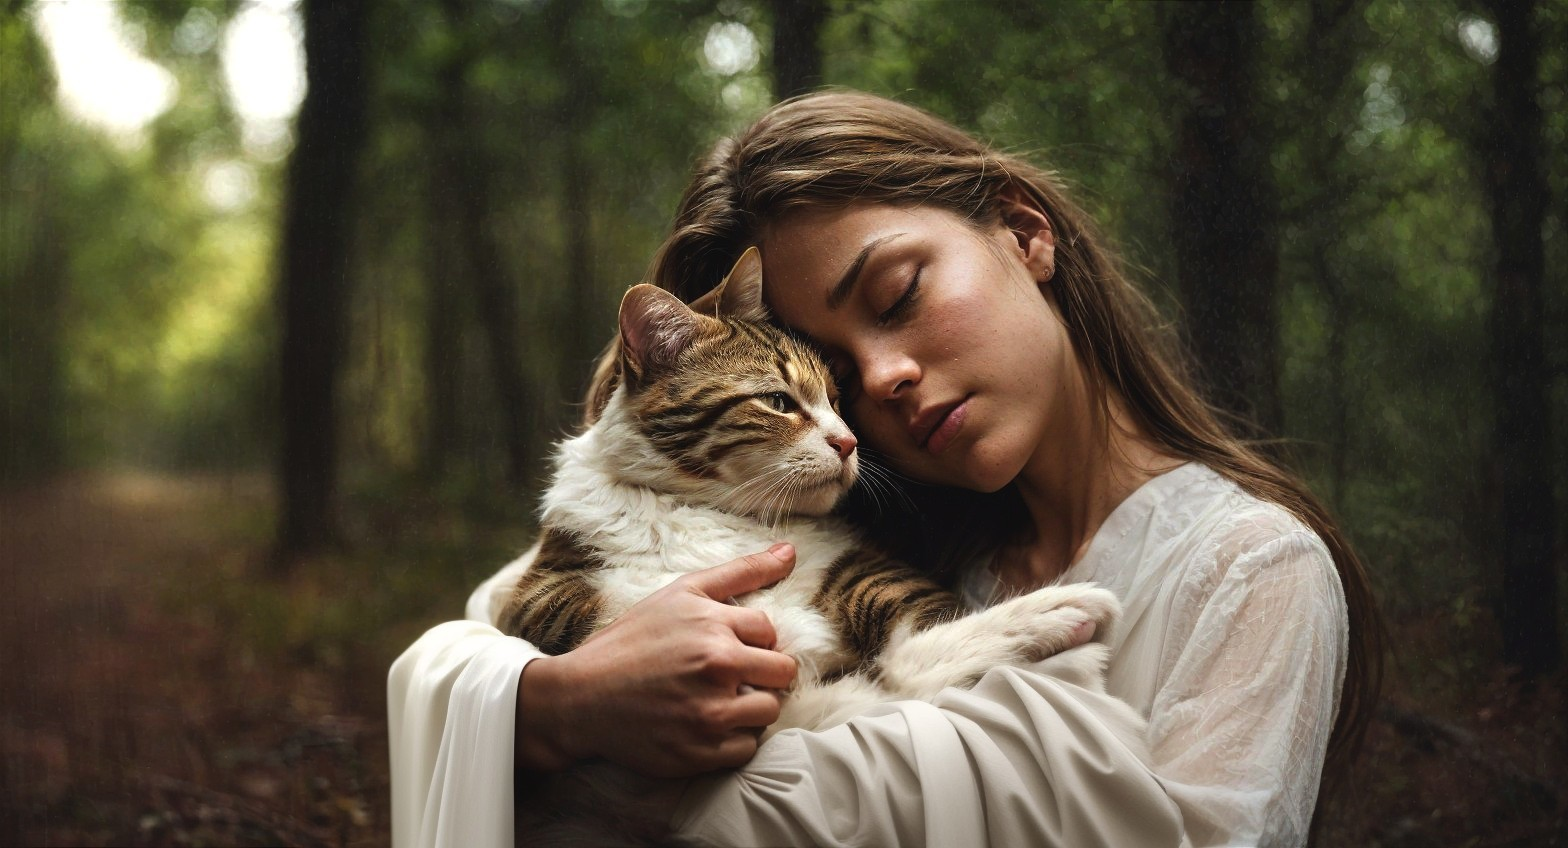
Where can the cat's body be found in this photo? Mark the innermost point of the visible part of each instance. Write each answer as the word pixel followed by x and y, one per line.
pixel 696 461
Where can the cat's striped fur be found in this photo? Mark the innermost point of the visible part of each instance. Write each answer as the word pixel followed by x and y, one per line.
pixel 722 438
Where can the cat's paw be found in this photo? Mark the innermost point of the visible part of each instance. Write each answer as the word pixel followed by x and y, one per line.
pixel 1047 621
pixel 1016 632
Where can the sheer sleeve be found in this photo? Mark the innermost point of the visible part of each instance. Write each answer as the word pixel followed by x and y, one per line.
pixel 1239 730
pixel 1235 740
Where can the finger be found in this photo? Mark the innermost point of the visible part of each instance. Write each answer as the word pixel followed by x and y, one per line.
pixel 752 626
pixel 737 749
pixel 756 710
pixel 747 574
pixel 766 669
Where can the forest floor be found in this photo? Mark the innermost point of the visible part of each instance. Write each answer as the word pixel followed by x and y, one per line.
pixel 160 689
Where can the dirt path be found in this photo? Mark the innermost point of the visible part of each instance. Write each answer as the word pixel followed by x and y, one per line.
pixel 136 708
pixel 157 689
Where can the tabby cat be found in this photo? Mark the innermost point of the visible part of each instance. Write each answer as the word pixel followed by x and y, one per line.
pixel 721 439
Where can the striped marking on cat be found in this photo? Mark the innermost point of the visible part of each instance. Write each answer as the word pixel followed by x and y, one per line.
pixel 696 417
pixel 867 597
pixel 555 605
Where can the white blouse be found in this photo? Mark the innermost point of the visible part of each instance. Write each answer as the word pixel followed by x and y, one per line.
pixel 1232 645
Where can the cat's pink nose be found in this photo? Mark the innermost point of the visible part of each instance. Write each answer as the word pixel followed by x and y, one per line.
pixel 843 445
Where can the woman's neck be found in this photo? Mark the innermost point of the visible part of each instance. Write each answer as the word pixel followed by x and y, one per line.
pixel 1072 484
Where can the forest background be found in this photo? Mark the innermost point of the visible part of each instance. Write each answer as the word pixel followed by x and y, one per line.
pixel 294 299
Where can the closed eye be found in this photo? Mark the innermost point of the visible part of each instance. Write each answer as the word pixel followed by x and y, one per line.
pixel 905 300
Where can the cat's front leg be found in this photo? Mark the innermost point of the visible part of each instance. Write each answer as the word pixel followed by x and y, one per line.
pixel 1023 630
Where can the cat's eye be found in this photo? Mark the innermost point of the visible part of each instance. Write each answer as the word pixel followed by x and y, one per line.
pixel 779 401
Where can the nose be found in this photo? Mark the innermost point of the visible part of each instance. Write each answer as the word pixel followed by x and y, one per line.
pixel 885 375
pixel 843 445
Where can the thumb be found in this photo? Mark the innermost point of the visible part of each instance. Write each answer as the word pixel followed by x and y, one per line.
pixel 747 574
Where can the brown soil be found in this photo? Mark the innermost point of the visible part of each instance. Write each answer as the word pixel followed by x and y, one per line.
pixel 131 714
pixel 157 688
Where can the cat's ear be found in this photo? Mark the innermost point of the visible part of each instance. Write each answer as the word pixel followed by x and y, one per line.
pixel 740 295
pixel 655 328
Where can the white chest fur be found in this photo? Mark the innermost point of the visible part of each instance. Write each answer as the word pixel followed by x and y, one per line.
pixel 651 538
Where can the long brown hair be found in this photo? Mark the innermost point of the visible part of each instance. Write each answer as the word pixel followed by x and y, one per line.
pixel 834 148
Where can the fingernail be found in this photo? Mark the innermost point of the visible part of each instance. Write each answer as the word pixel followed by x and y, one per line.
pixel 782 549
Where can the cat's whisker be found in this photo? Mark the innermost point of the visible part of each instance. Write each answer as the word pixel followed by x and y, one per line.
pixel 757 504
pixel 763 482
pixel 871 484
pixel 881 463
pixel 769 510
pixel 746 504
pixel 886 490
pixel 776 479
pixel 882 480
pixel 874 492
pixel 786 497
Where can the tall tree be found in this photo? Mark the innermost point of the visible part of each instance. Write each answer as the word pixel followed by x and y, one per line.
pixel 797 50
pixel 1512 162
pixel 314 269
pixel 445 289
pixel 1334 40
pixel 584 321
pixel 33 286
pixel 1224 208
pixel 461 206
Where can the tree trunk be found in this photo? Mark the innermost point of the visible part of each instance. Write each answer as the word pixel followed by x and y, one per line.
pixel 586 326
pixel 1224 207
pixel 33 261
pixel 444 310
pixel 797 54
pixel 1512 161
pixel 32 301
pixel 1332 46
pixel 462 161
pixel 498 315
pixel 313 287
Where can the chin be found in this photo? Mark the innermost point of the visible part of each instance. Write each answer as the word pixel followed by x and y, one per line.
pixel 975 469
pixel 820 501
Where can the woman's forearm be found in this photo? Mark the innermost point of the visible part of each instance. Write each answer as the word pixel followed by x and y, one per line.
pixel 451 698
pixel 1022 759
pixel 544 735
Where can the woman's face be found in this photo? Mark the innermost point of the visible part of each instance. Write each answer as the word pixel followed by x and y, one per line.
pixel 952 358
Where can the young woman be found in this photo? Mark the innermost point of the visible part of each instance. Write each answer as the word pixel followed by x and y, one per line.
pixel 987 343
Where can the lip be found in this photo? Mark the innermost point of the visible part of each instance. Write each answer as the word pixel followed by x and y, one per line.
pixel 935 426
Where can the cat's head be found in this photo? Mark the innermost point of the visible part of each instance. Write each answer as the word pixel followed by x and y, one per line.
pixel 742 415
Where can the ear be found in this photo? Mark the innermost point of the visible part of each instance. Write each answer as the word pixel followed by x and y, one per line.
pixel 740 295
pixel 655 328
pixel 1030 229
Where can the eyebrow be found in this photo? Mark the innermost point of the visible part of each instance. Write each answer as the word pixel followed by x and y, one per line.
pixel 846 284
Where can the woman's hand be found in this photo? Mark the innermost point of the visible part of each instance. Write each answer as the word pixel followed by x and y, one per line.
pixel 681 684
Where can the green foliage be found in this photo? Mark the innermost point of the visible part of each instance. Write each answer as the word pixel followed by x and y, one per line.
pixel 1079 85
pixel 138 307
pixel 137 324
